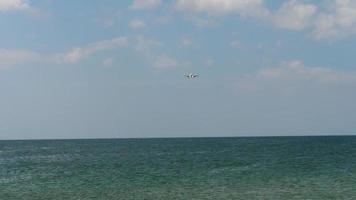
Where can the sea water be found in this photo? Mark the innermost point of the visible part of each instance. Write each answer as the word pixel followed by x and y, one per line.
pixel 186 168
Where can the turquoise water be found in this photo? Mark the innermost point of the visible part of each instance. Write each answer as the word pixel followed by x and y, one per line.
pixel 200 168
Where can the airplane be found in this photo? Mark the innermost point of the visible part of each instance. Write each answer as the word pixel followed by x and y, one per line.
pixel 191 76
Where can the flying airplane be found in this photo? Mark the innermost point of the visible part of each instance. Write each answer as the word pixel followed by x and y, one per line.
pixel 192 76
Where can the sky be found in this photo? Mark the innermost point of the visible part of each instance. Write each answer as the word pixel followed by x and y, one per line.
pixel 115 69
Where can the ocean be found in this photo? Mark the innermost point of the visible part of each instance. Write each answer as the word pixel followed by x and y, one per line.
pixel 182 168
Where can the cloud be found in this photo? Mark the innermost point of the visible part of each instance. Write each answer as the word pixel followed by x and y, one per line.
pixel 294 97
pixel 235 44
pixel 339 21
pixel 203 22
pixel 107 61
pixel 294 73
pixel 144 44
pixel 186 42
pixel 165 62
pixel 145 47
pixel 14 5
pixel 137 23
pixel 294 15
pixel 145 4
pixel 336 19
pixel 78 53
pixel 9 57
pixel 296 70
pixel 291 15
pixel 221 6
pixel 13 57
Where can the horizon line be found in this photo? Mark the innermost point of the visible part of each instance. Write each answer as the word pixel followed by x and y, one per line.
pixel 179 137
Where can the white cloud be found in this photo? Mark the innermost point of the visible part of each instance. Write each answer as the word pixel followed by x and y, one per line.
pixel 14 5
pixel 9 58
pixel 291 15
pixel 147 48
pixel 78 53
pixel 186 42
pixel 335 20
pixel 295 74
pixel 145 4
pixel 144 44
pixel 144 47
pixel 295 69
pixel 338 22
pixel 235 44
pixel 294 15
pixel 165 62
pixel 203 22
pixel 13 57
pixel 137 23
pixel 108 61
pixel 244 7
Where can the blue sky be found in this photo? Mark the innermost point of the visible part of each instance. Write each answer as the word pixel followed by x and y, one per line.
pixel 74 69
